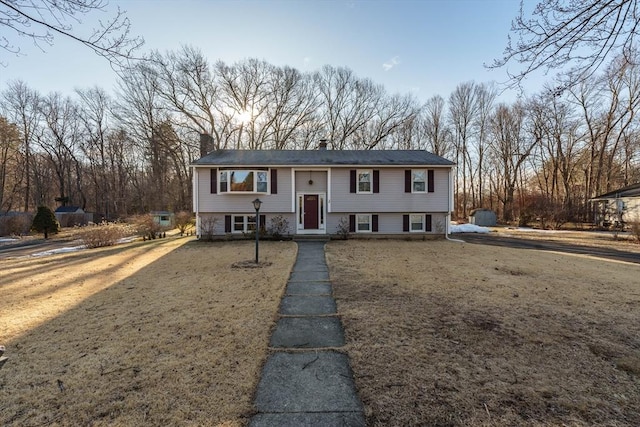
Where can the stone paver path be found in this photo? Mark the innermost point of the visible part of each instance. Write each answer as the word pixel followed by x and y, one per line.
pixel 306 381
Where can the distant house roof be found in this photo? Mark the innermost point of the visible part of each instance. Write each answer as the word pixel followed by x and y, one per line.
pixel 629 191
pixel 321 158
pixel 69 209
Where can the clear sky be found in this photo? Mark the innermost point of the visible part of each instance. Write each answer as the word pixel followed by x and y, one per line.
pixel 425 47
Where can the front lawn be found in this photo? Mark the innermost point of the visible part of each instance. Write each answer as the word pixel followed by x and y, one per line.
pixel 448 334
pixel 164 332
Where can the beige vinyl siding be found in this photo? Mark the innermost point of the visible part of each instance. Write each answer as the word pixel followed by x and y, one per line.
pixel 391 197
pixel 242 203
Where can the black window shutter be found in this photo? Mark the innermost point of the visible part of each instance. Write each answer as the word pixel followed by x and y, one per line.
pixel 263 222
pixel 405 222
pixel 274 181
pixel 214 181
pixel 376 181
pixel 374 223
pixel 352 181
pixel 227 223
pixel 427 223
pixel 407 182
pixel 352 223
pixel 430 183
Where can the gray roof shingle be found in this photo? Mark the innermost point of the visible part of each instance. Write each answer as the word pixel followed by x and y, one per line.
pixel 629 191
pixel 322 158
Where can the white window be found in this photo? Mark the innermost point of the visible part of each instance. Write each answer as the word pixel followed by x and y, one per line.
pixel 418 181
pixel 363 223
pixel 261 181
pixel 364 181
pixel 244 181
pixel 243 223
pixel 416 222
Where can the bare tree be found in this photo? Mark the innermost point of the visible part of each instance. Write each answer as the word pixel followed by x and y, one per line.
pixel 462 113
pixel 435 127
pixel 42 20
pixel 21 105
pixel 190 90
pixel 485 95
pixel 509 147
pixel 560 149
pixel 246 96
pixel 9 164
pixel 292 110
pixel 59 138
pixel 580 35
pixel 348 104
pixel 608 105
pixel 94 114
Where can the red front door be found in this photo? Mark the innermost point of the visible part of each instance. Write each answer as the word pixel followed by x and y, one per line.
pixel 310 211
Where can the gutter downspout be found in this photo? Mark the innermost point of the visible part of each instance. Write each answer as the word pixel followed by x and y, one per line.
pixel 448 222
pixel 196 201
pixel 446 234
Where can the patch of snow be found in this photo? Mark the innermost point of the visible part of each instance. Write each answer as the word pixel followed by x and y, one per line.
pixel 127 239
pixel 537 230
pixel 59 251
pixel 7 239
pixel 468 228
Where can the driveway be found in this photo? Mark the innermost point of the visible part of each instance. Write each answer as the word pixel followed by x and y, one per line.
pixel 29 247
pixel 545 245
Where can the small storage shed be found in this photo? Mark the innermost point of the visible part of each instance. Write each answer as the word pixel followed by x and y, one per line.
pixel 483 217
pixel 68 216
pixel 164 218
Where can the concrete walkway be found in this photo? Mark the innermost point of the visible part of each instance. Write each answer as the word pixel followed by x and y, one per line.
pixel 305 381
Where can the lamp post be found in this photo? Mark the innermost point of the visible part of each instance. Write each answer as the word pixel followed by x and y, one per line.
pixel 256 206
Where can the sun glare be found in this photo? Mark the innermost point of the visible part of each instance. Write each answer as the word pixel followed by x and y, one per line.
pixel 244 117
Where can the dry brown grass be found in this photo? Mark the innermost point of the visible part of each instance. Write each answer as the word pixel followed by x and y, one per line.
pixel 448 334
pixel 150 333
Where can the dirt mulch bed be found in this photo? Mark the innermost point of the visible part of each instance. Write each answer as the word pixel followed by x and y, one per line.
pixel 448 334
pixel 150 333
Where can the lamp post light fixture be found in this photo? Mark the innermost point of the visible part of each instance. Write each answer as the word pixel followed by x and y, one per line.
pixel 256 206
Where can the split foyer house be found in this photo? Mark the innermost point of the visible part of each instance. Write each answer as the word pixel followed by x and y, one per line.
pixel 376 192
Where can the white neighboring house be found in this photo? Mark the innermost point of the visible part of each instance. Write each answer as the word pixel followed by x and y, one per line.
pixel 618 207
pixel 374 192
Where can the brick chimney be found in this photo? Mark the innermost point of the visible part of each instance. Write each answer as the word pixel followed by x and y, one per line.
pixel 206 144
pixel 322 145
